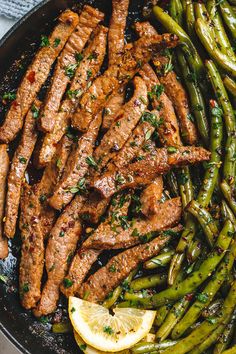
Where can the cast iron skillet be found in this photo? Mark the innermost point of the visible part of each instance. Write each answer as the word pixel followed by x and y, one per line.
pixel 16 51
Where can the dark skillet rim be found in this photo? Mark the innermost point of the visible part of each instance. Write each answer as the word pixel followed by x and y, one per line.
pixel 3 329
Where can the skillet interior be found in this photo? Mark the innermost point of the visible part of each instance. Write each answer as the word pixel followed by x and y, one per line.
pixel 16 51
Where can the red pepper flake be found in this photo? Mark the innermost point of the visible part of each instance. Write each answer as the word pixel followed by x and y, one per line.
pixel 213 103
pixel 14 104
pixel 31 77
pixel 189 297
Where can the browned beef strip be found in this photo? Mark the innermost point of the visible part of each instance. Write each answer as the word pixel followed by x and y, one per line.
pixel 60 249
pixel 112 108
pixel 150 197
pixel 117 30
pixel 169 130
pixel 36 75
pixel 101 283
pixel 76 167
pixel 174 90
pixel 117 75
pixel 88 20
pixel 143 172
pixel 4 163
pixel 32 249
pixel 50 178
pixel 17 170
pixel 114 236
pixel 85 258
pixel 87 70
pixel 125 121
pixel 94 207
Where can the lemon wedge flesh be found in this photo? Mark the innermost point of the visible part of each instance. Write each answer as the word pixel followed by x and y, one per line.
pixel 109 332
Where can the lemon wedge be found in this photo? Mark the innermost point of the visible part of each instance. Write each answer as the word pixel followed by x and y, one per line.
pixel 109 332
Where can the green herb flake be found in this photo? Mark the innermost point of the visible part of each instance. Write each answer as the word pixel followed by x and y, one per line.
pixel 151 119
pixel 42 198
pixel 91 162
pixel 156 92
pixel 202 298
pixel 62 234
pixel 56 43
pixel 58 163
pixel 211 320
pixel 67 283
pixel 44 41
pixel 78 57
pixel 171 149
pixel 108 330
pixel 22 160
pixel 9 96
pixel 72 310
pixel 44 320
pixel 72 94
pixel 25 288
pixel 112 268
pixel 35 111
pixel 3 278
pixel 89 74
pixel 70 70
pixel 83 347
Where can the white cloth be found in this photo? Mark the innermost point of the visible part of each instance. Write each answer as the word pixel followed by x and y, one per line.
pixel 16 8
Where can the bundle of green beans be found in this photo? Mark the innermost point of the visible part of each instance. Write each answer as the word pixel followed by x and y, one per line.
pixel 196 306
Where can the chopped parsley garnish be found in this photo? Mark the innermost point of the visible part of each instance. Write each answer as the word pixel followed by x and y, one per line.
pixel 171 149
pixel 211 320
pixel 89 74
pixel 70 70
pixel 156 92
pixel 148 135
pixel 44 320
pixel 9 96
pixel 83 347
pixel 108 330
pixel 119 179
pixel 67 283
pixel 151 118
pixel 58 163
pixel 202 298
pixel 56 43
pixel 91 162
pixel 22 160
pixel 168 66
pixel 42 198
pixel 79 188
pixel 78 57
pixel 44 41
pixel 92 56
pixel 3 278
pixel 35 111
pixel 62 234
pixel 25 288
pixel 190 117
pixel 72 310
pixel 217 111
pixel 135 233
pixel 112 268
pixel 74 93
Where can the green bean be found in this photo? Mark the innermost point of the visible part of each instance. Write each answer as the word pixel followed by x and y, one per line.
pixel 149 281
pixel 193 57
pixel 221 35
pixel 185 185
pixel 207 327
pixel 201 12
pixel 208 42
pixel 172 318
pixel 226 337
pixel 227 212
pixel 228 16
pixel 229 118
pixel 162 312
pixel 194 250
pixel 109 302
pixel 135 296
pixel 230 350
pixel 176 11
pixel 204 298
pixel 144 347
pixel 230 85
pixel 161 260
pixel 213 308
pixel 196 99
pixel 195 279
pixel 227 192
pixel 205 219
pixel 213 166
pixel 175 267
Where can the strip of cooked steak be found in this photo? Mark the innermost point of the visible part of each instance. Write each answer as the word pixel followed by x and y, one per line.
pixel 117 30
pixel 60 249
pixel 150 197
pixel 169 129
pixel 112 108
pixel 117 75
pixel 85 258
pixel 94 207
pixel 119 235
pixel 36 75
pixel 68 60
pixel 107 278
pixel 76 167
pixel 32 248
pixel 17 170
pixel 125 121
pixel 143 172
pixel 173 89
pixel 88 69
pixel 4 163
pixel 50 178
